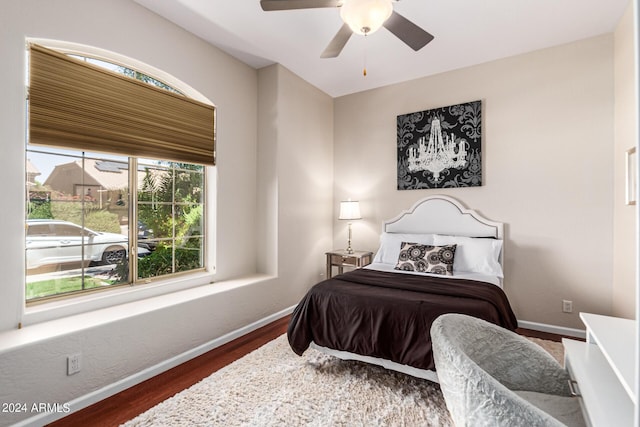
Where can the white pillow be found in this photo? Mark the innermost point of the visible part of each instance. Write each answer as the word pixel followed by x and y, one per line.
pixel 390 245
pixel 474 254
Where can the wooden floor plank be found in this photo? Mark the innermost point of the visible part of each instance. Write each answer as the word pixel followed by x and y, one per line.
pixel 130 403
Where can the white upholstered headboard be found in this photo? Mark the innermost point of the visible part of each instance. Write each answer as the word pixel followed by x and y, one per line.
pixel 443 215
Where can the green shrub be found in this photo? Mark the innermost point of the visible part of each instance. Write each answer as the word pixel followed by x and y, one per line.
pixel 40 210
pixel 102 221
pixel 160 262
pixel 67 211
pixel 95 218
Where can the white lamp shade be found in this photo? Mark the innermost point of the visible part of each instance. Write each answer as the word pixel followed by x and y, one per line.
pixel 349 210
pixel 365 16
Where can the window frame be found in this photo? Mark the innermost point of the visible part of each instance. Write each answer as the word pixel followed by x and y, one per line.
pixel 79 302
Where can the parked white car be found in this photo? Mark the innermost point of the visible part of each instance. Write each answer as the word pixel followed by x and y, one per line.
pixel 52 241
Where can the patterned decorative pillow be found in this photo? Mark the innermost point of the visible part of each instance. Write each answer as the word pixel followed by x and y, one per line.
pixel 426 258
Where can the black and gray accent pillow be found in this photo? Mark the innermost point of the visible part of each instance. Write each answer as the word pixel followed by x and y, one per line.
pixel 426 258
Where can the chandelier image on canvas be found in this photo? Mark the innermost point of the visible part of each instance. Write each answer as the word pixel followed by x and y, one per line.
pixel 439 153
pixel 440 147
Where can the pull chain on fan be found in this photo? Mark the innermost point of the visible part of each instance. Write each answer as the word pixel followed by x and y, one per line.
pixel 364 70
pixel 359 16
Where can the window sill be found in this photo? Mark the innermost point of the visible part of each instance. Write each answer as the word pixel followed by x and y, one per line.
pixel 40 328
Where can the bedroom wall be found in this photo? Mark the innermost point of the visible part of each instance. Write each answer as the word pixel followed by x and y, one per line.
pixel 295 161
pixel 126 28
pixel 547 169
pixel 626 121
pixel 257 180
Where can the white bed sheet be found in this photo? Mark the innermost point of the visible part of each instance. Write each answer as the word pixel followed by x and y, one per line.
pixel 456 275
pixel 425 374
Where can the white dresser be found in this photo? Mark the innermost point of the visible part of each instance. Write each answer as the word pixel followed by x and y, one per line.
pixel 604 370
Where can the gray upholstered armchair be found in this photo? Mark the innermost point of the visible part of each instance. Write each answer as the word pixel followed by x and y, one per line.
pixel 493 377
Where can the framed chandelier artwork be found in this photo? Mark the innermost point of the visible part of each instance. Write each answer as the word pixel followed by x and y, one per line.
pixel 440 148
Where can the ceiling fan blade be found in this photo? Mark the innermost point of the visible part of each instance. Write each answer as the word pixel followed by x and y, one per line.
pixel 269 5
pixel 415 37
pixel 337 43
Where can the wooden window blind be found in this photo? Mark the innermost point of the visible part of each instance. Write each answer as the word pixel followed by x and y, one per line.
pixel 73 104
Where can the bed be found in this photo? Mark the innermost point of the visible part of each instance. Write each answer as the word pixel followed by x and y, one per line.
pixel 437 257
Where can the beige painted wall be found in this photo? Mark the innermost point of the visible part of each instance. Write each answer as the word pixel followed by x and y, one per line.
pixel 626 121
pixel 276 190
pixel 275 185
pixel 295 146
pixel 547 165
pixel 126 28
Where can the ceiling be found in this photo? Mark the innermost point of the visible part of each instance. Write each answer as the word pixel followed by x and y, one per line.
pixel 467 32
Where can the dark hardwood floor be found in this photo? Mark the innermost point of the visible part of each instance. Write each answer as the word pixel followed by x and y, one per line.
pixel 130 403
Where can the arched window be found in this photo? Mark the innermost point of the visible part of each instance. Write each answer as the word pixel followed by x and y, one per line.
pixel 116 175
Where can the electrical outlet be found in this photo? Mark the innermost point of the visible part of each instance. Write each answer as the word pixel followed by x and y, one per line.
pixel 74 363
pixel 567 306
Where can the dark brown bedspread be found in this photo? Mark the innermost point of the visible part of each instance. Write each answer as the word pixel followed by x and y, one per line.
pixel 389 315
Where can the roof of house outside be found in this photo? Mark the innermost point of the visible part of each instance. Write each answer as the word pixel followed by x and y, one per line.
pixel 31 169
pixel 110 175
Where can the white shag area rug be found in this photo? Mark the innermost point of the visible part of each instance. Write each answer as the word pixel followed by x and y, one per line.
pixel 272 386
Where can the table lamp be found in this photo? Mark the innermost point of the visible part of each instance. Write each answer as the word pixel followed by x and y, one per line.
pixel 349 210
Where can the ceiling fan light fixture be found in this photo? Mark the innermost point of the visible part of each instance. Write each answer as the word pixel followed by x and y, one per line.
pixel 365 16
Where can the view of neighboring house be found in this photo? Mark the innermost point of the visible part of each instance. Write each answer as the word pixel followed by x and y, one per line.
pixel 103 181
pixel 32 173
pixel 37 193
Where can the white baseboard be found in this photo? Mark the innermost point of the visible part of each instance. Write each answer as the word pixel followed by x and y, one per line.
pixel 560 330
pixel 114 388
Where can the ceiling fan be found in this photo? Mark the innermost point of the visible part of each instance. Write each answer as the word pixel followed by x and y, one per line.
pixel 360 17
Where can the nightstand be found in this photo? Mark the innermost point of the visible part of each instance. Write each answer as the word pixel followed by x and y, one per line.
pixel 341 259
